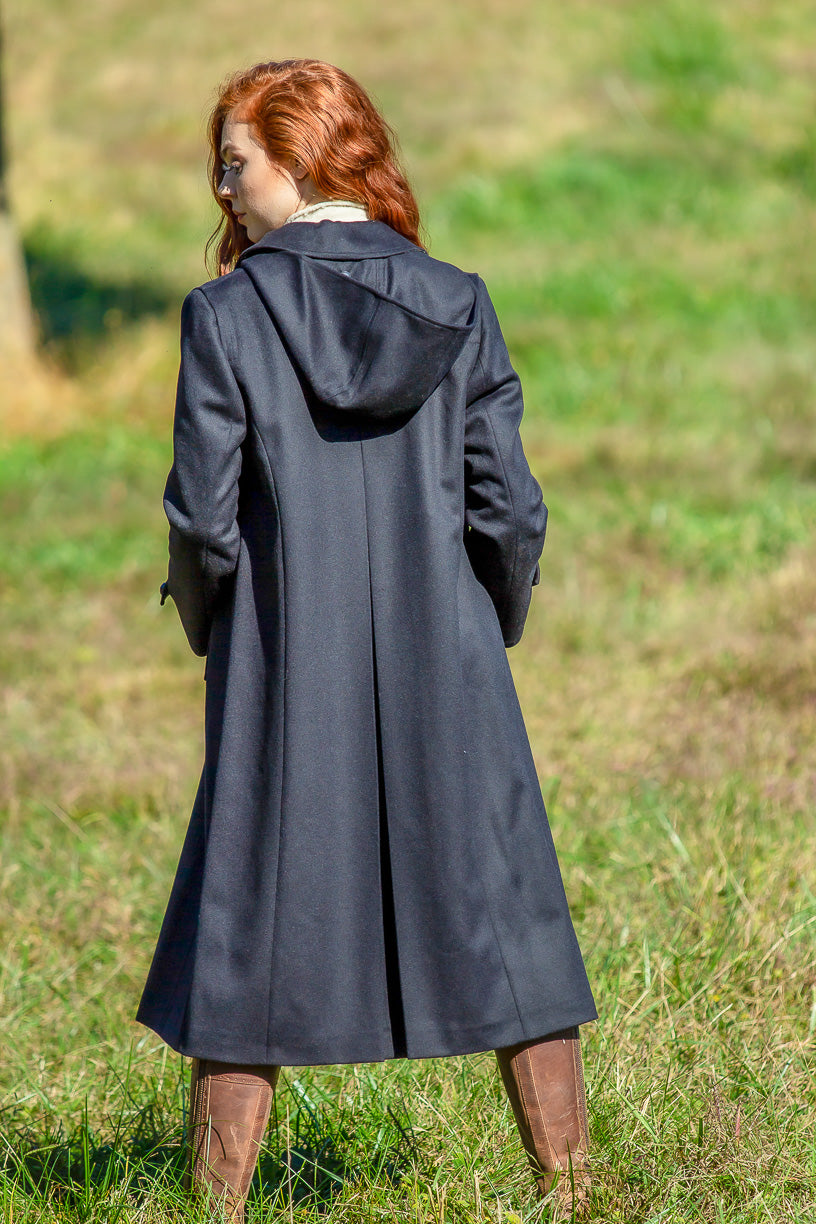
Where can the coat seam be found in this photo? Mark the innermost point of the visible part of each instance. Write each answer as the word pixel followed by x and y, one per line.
pixel 508 600
pixel 273 487
pixel 485 893
pixel 362 368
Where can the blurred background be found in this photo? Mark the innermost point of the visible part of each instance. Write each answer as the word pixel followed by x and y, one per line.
pixel 636 182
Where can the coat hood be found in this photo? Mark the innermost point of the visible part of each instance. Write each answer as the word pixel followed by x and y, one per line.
pixel 376 349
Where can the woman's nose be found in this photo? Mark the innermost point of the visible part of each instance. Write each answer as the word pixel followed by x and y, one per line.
pixel 224 188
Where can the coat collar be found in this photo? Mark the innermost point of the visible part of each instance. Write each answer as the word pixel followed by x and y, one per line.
pixel 334 240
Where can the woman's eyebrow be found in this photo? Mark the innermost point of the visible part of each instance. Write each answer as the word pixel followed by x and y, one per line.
pixel 226 149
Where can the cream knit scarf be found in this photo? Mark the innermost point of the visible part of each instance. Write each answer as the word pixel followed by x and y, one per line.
pixel 330 210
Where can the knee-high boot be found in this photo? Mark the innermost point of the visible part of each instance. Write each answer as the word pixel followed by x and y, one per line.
pixel 545 1083
pixel 229 1110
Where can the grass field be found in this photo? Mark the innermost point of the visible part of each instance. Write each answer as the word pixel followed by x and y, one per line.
pixel 637 184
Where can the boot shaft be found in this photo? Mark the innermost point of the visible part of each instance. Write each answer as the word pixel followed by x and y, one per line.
pixel 544 1081
pixel 229 1112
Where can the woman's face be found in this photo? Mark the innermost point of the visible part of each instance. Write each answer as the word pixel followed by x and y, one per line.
pixel 261 193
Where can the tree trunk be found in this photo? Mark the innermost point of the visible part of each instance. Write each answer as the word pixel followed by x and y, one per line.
pixel 16 324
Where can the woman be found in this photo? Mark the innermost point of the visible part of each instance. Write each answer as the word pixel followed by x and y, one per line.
pixel 354 537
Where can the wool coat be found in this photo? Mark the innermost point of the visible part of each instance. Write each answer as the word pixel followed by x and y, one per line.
pixel 368 871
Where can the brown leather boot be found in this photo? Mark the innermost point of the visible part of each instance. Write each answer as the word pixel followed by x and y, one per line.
pixel 545 1083
pixel 229 1110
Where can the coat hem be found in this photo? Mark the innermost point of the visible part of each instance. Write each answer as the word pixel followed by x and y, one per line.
pixel 378 1047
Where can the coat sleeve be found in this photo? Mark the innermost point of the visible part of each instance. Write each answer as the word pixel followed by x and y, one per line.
pixel 505 515
pixel 201 496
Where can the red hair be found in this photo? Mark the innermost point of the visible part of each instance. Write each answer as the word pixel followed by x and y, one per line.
pixel 314 113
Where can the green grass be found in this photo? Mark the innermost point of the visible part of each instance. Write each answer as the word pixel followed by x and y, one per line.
pixel 636 184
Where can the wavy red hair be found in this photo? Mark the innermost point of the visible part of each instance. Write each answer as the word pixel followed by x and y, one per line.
pixel 314 113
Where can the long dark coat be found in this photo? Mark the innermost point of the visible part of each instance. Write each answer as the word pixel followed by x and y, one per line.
pixel 368 871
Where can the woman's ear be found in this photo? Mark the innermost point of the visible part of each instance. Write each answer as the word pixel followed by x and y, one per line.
pixel 299 171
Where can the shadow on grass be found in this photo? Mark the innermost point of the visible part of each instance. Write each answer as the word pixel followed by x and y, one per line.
pixel 76 309
pixel 326 1151
pixel 79 1170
